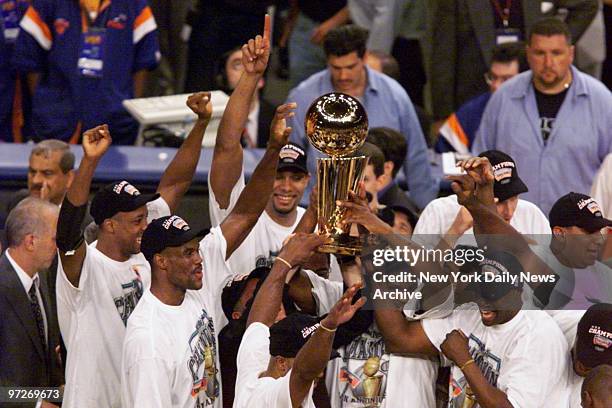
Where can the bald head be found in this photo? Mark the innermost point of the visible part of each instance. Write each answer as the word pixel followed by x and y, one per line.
pixel 597 387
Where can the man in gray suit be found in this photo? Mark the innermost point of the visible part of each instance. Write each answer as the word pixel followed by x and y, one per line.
pixel 29 332
pixel 465 32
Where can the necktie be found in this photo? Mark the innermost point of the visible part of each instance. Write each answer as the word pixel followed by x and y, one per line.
pixel 37 311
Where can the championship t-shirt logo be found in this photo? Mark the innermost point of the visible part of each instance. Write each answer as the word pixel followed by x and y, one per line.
pixel 131 294
pixel 363 372
pixel 203 362
pixel 460 392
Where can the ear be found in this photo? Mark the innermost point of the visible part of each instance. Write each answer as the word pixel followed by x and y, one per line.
pixel 587 400
pixel 573 52
pixel 108 226
pixel 558 232
pixel 388 168
pixel 236 315
pixel 28 242
pixel 160 261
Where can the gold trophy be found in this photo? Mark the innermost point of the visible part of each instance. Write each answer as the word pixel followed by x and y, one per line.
pixel 337 125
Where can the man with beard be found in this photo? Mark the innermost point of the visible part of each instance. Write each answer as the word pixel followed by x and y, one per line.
pixel 553 120
pixel 226 180
pixel 99 285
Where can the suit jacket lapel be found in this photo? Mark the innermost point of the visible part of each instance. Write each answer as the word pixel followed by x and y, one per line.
pixel 483 23
pixel 17 296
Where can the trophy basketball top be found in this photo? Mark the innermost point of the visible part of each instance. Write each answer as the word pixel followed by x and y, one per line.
pixel 336 124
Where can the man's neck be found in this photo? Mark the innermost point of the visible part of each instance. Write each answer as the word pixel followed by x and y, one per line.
pixel 285 220
pixel 558 88
pixel 166 293
pixel 109 247
pixel 22 259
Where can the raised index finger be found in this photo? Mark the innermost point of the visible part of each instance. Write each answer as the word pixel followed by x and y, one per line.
pixel 266 32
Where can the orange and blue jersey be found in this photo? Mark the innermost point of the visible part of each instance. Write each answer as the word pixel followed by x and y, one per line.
pixel 66 102
pixel 11 113
pixel 459 130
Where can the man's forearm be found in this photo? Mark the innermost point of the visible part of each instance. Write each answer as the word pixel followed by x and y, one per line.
pixel 314 356
pixel 487 395
pixel 268 300
pixel 236 112
pixel 179 174
pixel 139 78
pixel 78 193
pixel 255 195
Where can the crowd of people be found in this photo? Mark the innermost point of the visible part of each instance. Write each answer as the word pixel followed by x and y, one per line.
pixel 113 299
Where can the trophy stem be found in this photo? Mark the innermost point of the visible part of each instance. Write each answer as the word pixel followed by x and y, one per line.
pixel 336 177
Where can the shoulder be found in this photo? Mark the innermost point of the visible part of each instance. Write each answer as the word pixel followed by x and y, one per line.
pixel 387 85
pixel 308 87
pixel 475 104
pixel 594 87
pixel 529 208
pixel 446 204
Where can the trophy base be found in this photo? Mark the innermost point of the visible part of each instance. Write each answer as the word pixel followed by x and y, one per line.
pixel 345 246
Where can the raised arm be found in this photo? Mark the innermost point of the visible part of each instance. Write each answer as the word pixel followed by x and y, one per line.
pixel 475 191
pixel 402 335
pixel 226 166
pixel 178 175
pixel 70 242
pixel 268 300
pixel 255 195
pixel 580 15
pixel 314 356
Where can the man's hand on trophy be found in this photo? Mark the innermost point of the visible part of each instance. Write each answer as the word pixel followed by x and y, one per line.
pixel 358 212
pixel 279 132
pixel 256 53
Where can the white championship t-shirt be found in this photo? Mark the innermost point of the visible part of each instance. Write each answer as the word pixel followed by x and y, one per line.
pixel 264 241
pixel 170 354
pixel 438 216
pixel 575 292
pixel 253 391
pixel 92 319
pixel 366 375
pixel 526 358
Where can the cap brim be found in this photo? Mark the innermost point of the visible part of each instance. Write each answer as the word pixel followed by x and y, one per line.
pixel 292 166
pixel 186 237
pixel 141 200
pixel 594 224
pixel 505 191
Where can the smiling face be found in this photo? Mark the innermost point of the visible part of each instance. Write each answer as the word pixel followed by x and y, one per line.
pixel 580 247
pixel 184 265
pixel 288 190
pixel 500 311
pixel 127 229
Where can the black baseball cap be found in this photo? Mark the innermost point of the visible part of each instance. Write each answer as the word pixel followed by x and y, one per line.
pixel 164 232
pixel 578 210
pixel 289 335
pixel 232 292
pixel 292 157
pixel 594 336
pixel 498 264
pixel 507 181
pixel 117 197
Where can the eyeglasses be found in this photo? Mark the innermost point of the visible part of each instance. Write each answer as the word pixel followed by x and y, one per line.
pixel 491 78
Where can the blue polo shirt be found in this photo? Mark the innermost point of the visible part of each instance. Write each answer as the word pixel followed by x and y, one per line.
pixel 8 75
pixel 387 104
pixel 66 101
pixel 580 140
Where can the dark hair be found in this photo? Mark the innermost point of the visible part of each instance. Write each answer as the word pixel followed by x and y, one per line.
pixel 375 155
pixel 47 147
pixel 508 52
pixel 550 26
pixel 346 39
pixel 392 144
pixel 221 71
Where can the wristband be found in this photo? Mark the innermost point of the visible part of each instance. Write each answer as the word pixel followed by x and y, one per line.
pixel 278 258
pixel 326 329
pixel 467 363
